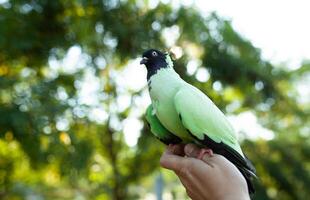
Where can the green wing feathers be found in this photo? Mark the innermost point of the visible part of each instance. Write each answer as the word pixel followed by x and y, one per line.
pixel 201 117
pixel 158 129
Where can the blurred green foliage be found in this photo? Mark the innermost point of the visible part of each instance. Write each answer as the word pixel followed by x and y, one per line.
pixel 52 148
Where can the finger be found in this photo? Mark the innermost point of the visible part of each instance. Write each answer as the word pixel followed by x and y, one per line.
pixel 217 159
pixel 178 149
pixel 171 161
pixel 204 151
pixel 208 160
pixel 193 186
pixel 193 195
pixel 191 150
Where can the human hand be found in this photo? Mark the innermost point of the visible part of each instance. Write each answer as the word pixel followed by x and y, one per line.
pixel 212 177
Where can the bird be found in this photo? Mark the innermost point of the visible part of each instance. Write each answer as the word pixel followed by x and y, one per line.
pixel 180 113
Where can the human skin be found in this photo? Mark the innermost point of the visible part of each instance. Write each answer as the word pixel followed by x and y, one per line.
pixel 211 178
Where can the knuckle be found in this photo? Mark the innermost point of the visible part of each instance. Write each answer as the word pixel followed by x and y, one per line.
pixel 183 171
pixel 186 169
pixel 162 161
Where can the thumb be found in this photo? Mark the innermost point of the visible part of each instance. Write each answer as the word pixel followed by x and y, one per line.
pixel 171 161
pixel 193 151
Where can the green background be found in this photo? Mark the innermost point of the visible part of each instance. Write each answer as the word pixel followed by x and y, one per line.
pixel 52 148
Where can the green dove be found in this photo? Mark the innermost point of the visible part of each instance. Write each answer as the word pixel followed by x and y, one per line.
pixel 181 113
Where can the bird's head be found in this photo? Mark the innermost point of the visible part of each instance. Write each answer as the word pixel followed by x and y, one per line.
pixel 153 58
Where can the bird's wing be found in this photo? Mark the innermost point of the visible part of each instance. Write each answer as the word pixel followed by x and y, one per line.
pixel 202 118
pixel 207 124
pixel 158 129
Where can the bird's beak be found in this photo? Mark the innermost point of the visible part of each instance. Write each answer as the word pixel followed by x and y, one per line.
pixel 143 61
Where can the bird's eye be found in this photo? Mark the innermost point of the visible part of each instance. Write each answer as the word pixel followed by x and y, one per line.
pixel 154 53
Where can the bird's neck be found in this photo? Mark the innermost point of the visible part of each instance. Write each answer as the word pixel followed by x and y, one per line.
pixel 155 67
pixel 165 80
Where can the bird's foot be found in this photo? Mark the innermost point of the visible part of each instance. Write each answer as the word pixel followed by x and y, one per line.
pixel 204 152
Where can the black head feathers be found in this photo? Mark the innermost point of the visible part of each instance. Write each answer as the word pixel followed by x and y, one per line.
pixel 151 56
pixel 154 60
